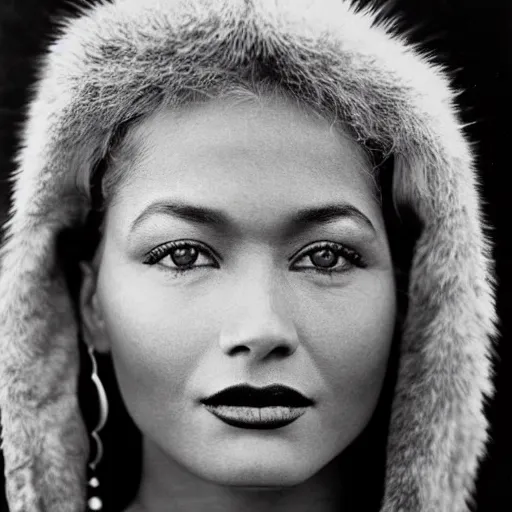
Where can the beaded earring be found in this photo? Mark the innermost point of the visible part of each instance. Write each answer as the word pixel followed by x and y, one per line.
pixel 94 502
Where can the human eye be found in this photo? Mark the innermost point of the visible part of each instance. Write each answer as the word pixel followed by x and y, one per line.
pixel 182 256
pixel 327 258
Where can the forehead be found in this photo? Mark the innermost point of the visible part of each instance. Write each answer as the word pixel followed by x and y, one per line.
pixel 247 156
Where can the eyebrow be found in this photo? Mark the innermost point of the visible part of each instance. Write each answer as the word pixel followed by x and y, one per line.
pixel 330 213
pixel 188 212
pixel 215 218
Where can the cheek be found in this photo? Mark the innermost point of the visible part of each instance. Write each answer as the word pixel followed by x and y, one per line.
pixel 157 337
pixel 350 337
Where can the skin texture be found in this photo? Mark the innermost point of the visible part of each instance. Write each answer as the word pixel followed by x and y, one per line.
pixel 255 310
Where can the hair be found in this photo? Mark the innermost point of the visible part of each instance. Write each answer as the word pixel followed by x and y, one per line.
pixel 119 471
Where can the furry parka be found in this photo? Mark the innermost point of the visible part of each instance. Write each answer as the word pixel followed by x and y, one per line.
pixel 122 59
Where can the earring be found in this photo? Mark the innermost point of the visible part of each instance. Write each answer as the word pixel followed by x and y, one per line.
pixel 94 502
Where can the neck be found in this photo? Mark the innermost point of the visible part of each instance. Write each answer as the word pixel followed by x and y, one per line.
pixel 165 485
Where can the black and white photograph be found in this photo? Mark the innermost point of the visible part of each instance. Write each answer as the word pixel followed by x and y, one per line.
pixel 255 256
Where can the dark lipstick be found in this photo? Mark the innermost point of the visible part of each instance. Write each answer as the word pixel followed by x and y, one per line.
pixel 245 406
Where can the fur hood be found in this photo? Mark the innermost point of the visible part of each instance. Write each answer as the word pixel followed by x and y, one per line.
pixel 122 59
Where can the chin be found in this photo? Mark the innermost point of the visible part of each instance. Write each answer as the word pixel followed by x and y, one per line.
pixel 257 474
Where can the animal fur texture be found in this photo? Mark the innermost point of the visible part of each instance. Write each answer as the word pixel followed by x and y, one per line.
pixel 121 59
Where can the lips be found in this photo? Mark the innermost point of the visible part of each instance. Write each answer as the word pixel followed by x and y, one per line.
pixel 266 408
pixel 244 395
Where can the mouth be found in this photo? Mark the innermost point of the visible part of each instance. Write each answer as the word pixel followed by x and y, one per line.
pixel 247 407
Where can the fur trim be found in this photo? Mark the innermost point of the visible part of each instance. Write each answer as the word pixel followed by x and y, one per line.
pixel 122 59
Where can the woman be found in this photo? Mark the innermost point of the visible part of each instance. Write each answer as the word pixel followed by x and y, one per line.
pixel 276 218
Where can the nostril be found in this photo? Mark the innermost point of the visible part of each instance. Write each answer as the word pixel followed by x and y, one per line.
pixel 239 348
pixel 278 351
pixel 282 350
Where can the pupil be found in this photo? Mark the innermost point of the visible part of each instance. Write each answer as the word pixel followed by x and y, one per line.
pixel 184 256
pixel 324 258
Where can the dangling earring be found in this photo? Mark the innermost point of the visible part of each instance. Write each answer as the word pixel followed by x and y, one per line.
pixel 94 502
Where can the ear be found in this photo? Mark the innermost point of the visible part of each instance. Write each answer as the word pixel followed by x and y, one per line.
pixel 93 325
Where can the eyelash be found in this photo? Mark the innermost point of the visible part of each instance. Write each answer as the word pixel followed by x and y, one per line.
pixel 353 257
pixel 339 250
pixel 159 253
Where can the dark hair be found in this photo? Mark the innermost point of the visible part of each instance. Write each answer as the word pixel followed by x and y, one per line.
pixel 119 470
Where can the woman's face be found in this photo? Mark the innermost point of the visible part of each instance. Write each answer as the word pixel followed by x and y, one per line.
pixel 245 246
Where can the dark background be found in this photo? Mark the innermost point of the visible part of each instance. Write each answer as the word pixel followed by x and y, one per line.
pixel 472 38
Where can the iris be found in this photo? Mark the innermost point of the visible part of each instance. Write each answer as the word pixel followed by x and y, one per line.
pixel 184 256
pixel 325 258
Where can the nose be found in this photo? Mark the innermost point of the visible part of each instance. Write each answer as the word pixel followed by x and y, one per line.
pixel 257 322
